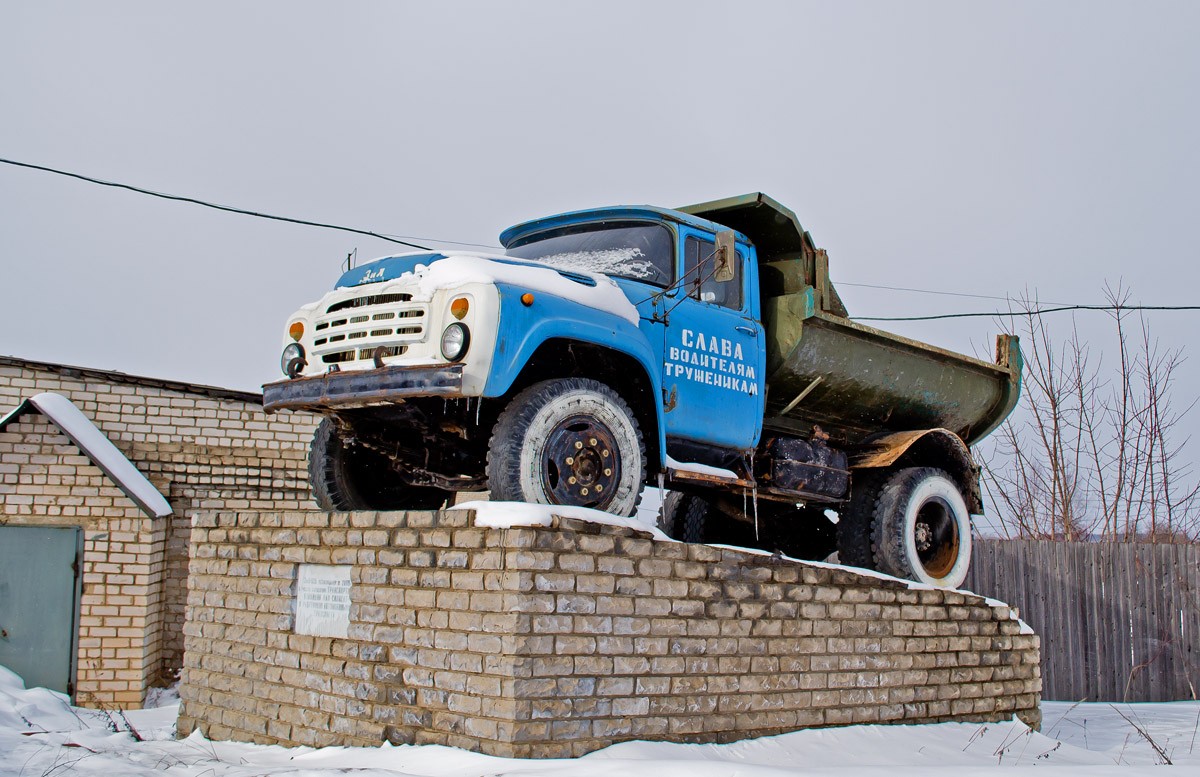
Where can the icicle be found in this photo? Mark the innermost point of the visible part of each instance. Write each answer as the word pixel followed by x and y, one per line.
pixel 755 503
pixel 662 498
pixel 478 404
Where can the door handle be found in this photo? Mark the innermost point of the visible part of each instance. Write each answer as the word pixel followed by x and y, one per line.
pixel 745 330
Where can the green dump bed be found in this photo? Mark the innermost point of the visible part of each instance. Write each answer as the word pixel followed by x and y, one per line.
pixel 854 381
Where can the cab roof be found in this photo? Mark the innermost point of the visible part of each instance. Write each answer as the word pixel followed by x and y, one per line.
pixel 615 213
pixel 757 218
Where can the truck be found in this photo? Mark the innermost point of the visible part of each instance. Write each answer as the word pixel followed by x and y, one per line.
pixel 702 349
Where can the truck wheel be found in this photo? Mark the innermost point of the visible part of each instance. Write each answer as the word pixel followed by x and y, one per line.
pixel 921 528
pixel 855 517
pixel 684 517
pixel 568 442
pixel 350 477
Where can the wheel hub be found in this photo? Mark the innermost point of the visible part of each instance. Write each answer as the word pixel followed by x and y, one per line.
pixel 580 464
pixel 935 535
pixel 924 537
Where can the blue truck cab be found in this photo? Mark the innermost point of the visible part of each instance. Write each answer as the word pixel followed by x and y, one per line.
pixel 613 348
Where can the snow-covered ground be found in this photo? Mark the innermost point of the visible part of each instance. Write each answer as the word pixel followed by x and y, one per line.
pixel 41 735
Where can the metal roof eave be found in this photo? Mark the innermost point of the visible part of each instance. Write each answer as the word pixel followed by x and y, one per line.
pixel 97 447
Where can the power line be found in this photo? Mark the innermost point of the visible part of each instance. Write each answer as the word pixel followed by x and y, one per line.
pixel 446 242
pixel 931 291
pixel 405 241
pixel 214 206
pixel 1038 312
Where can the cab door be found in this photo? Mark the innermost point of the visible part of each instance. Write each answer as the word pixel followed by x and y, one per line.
pixel 714 352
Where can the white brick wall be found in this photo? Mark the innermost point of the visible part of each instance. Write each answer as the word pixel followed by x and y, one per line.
pixel 201 447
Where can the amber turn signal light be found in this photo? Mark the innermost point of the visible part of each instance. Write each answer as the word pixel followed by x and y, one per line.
pixel 459 308
pixel 296 331
pixel 526 299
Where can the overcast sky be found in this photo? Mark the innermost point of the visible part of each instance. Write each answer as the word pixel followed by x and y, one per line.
pixel 981 148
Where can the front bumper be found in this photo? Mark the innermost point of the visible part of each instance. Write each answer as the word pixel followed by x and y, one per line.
pixel 362 388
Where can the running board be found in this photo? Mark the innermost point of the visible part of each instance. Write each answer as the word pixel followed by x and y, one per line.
pixel 688 477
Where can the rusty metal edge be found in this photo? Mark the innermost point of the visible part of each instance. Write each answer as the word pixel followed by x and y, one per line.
pixel 362 388
pixel 901 342
pixel 686 476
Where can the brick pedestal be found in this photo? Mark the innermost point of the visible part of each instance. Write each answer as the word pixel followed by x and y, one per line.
pixel 547 642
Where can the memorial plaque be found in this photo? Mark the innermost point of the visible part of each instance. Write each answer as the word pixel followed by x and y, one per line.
pixel 323 600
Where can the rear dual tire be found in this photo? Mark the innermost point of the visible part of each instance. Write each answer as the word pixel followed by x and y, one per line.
pixel 685 517
pixel 911 523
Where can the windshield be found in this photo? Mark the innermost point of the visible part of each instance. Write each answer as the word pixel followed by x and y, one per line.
pixel 640 252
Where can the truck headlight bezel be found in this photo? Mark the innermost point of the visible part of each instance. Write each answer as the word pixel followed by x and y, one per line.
pixel 456 339
pixel 293 360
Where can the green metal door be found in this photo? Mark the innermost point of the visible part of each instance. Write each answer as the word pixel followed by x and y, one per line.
pixel 39 603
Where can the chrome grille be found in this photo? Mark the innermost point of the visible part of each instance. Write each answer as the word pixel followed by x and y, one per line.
pixel 368 301
pixel 357 322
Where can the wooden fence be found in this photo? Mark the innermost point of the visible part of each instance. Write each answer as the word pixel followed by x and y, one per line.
pixel 1118 621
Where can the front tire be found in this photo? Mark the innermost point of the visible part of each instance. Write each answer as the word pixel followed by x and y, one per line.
pixel 921 528
pixel 568 442
pixel 351 477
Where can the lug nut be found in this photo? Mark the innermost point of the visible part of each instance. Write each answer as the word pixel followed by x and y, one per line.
pixel 571 480
pixel 570 461
pixel 578 445
pixel 592 442
pixel 599 488
pixel 583 491
pixel 607 472
pixel 604 453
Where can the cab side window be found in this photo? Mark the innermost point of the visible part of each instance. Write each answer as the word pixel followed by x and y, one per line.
pixel 699 265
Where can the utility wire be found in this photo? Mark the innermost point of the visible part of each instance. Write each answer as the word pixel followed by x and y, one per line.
pixel 405 241
pixel 214 206
pixel 446 242
pixel 1038 312
pixel 931 291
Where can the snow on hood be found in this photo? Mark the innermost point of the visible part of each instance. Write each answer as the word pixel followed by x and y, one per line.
pixel 590 289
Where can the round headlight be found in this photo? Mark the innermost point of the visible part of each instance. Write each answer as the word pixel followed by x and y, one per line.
pixel 455 341
pixel 293 361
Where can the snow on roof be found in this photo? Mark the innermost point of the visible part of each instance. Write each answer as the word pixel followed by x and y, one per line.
pixel 97 447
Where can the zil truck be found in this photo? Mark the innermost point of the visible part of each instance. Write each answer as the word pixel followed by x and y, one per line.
pixel 703 349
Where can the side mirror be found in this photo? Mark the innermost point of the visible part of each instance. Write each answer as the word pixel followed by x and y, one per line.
pixel 725 256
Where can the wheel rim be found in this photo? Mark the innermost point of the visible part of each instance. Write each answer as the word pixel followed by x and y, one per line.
pixel 581 463
pixel 935 536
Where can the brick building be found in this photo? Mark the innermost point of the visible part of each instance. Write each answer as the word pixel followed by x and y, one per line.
pixel 201 447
